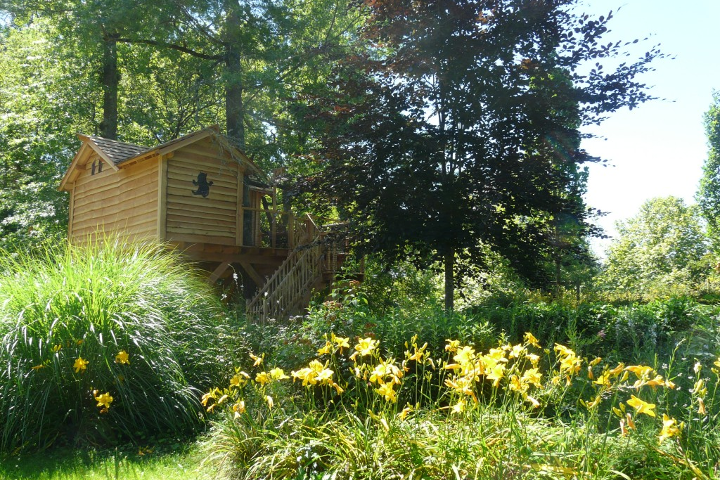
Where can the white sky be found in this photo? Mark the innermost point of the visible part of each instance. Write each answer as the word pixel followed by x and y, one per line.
pixel 659 148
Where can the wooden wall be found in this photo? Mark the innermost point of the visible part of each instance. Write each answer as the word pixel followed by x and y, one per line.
pixel 123 202
pixel 193 218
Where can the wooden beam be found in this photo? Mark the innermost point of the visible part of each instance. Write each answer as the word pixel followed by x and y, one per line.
pixel 240 211
pixel 217 273
pixel 162 199
pixel 259 281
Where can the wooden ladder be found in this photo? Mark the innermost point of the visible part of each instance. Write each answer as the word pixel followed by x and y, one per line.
pixel 287 291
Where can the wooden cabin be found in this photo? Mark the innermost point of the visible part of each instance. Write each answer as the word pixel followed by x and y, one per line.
pixel 205 197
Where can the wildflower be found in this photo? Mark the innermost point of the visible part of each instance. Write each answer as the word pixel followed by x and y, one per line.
pixel 701 407
pixel 640 371
pixel 386 390
pixel 56 348
pixel 594 403
pixel 603 379
pixel 534 359
pixel 623 430
pixel 257 361
pixel 364 347
pixel 405 411
pixel 697 367
pixel 496 374
pixel 459 407
pixel 238 409
pixel 340 342
pixel 532 376
pixel 517 385
pixel 239 379
pixel 263 378
pixel 590 373
pixel 327 349
pixel 104 400
pixel 270 401
pixel 418 355
pixel 122 357
pixel 630 422
pixel 670 428
pixel 595 361
pixel 641 406
pixel 80 365
pixel 616 371
pixel 531 340
pixel 278 374
pixel 211 395
pixel 453 345
pixel 462 385
pixel 464 355
pixel 38 367
pixel 533 401
pixel 517 351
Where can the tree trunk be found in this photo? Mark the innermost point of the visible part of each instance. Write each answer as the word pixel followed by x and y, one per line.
pixel 234 110
pixel 449 279
pixel 110 80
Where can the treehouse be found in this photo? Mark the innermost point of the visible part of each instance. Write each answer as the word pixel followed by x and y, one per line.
pixel 205 197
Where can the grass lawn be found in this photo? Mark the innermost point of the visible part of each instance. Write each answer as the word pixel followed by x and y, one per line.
pixel 177 462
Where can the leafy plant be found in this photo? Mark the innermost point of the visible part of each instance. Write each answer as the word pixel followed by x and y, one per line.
pixel 101 342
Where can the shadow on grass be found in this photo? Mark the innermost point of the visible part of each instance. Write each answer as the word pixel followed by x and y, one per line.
pixel 177 463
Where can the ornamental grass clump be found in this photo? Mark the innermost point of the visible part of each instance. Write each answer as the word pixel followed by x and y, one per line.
pixel 101 343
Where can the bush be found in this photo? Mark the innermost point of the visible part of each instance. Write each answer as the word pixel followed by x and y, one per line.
pixel 103 342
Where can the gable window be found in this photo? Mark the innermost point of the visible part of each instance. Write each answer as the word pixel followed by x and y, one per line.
pixel 96 167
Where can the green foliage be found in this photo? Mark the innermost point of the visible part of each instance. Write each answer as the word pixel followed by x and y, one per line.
pixel 462 131
pixel 80 322
pixel 708 195
pixel 662 249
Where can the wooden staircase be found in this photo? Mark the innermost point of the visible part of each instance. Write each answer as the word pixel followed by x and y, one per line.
pixel 311 265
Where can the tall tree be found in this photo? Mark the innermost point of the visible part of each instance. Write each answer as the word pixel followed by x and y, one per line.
pixel 708 196
pixel 663 246
pixel 460 126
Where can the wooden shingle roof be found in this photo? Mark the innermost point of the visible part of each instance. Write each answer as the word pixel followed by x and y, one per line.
pixel 117 151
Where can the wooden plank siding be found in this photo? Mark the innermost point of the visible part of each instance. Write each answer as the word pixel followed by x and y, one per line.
pixel 122 202
pixel 194 218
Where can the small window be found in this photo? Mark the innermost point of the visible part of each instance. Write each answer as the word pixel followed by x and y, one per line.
pixel 96 167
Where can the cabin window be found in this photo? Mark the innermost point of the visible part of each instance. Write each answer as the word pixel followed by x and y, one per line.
pixel 96 167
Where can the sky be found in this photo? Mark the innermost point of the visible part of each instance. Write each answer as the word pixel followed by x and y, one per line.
pixel 657 149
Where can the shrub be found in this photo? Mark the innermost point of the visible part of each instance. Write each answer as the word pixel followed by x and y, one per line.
pixel 101 342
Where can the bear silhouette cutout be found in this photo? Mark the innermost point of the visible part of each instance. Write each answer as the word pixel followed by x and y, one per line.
pixel 202 184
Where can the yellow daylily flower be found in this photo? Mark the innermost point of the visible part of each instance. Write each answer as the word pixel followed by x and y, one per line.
pixel 386 391
pixel 263 378
pixel 238 409
pixel 104 400
pixel 278 374
pixel 340 342
pixel 239 379
pixel 56 348
pixel 454 345
pixel 531 340
pixel 459 407
pixel 257 361
pixel 122 357
pixel 532 376
pixel 326 350
pixel 640 371
pixel 670 428
pixel 270 401
pixel 80 365
pixel 364 347
pixel 641 406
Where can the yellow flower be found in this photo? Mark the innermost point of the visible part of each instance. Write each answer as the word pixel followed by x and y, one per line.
pixel 386 369
pixel 340 342
pixel 122 357
pixel 38 367
pixel 603 379
pixel 405 411
pixel 278 374
pixel 640 371
pixel 453 345
pixel 386 391
pixel 670 428
pixel 641 406
pixel 531 340
pixel 616 371
pixel 595 361
pixel 517 351
pixel 517 385
pixel 326 349
pixel 364 347
pixel 534 359
pixel 238 408
pixel 263 378
pixel 697 367
pixel 459 407
pixel 257 361
pixel 497 372
pixel 56 348
pixel 80 365
pixel 563 351
pixel 239 379
pixel 701 407
pixel 104 400
pixel 270 401
pixel 532 376
pixel 533 401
